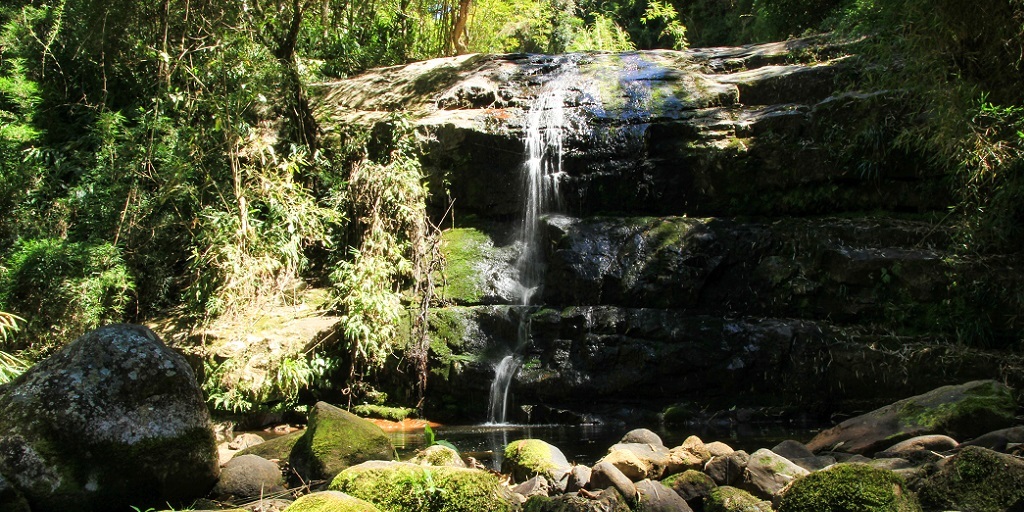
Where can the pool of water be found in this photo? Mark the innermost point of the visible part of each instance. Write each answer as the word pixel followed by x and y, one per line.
pixel 585 444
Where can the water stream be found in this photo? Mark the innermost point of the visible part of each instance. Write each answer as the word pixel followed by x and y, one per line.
pixel 544 137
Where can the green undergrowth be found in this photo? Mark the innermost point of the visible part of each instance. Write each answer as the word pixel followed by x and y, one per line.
pixel 384 412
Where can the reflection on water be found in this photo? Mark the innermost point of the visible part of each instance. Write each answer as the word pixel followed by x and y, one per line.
pixel 585 444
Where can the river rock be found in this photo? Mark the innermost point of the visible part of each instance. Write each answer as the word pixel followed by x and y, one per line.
pixel 608 500
pixel 113 419
pixel 718 449
pixel 642 436
pixel 537 485
pixel 911 447
pixel 246 440
pixel 815 463
pixel 639 461
pixel 278 448
pixel 768 472
pixel 965 410
pixel 849 487
pixel 439 455
pixel 791 449
pixel 728 469
pixel 402 486
pixel 336 439
pixel 691 485
pixel 732 499
pixel 997 440
pixel 527 458
pixel 656 497
pixel 975 479
pixel 606 475
pixel 579 478
pixel 330 501
pixel 248 476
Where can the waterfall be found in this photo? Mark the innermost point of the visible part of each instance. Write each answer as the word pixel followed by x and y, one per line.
pixel 543 138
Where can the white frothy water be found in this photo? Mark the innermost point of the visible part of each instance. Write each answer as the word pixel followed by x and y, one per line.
pixel 545 134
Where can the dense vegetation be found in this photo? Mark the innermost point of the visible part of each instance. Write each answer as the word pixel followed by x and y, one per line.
pixel 163 156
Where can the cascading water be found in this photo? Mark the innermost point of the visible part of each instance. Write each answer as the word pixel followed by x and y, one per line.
pixel 546 128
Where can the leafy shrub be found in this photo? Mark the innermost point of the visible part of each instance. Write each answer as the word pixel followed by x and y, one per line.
pixel 64 289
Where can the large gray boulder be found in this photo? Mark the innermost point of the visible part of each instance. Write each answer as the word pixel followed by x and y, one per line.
pixel 113 419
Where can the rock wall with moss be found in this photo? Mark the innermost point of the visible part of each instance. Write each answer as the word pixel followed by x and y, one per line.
pixel 734 228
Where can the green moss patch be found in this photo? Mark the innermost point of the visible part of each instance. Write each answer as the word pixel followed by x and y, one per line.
pixel 849 488
pixel 464 251
pixel 731 499
pixel 976 479
pixel 400 487
pixel 330 501
pixel 528 457
pixel 336 439
pixel 384 412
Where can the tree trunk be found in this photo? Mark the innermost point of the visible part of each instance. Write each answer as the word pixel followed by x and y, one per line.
pixel 460 37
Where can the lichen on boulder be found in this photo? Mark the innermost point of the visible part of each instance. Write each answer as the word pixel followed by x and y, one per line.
pixel 849 488
pixel 401 487
pixel 336 439
pixel 113 419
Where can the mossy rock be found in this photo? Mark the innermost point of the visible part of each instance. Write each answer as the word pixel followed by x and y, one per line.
pixel 690 484
pixel 976 479
pixel 962 412
pixel 336 439
pixel 609 501
pixel 527 458
pixel 330 501
pixel 438 455
pixel 278 448
pixel 112 420
pixel 731 499
pixel 849 488
pixel 401 487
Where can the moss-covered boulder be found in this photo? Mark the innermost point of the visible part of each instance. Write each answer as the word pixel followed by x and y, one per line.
pixel 113 419
pixel 849 488
pixel 401 487
pixel 976 479
pixel 336 439
pixel 527 458
pixel 330 501
pixel 609 500
pixel 278 448
pixel 438 455
pixel 963 411
pixel 732 499
pixel 691 485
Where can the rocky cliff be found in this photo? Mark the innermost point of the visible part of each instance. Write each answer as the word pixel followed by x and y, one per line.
pixel 733 228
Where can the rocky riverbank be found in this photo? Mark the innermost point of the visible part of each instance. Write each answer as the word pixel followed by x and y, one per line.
pixel 115 421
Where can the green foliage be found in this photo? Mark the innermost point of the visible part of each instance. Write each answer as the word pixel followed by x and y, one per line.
pixel 10 365
pixel 64 289
pixel 238 386
pixel 430 439
pixel 384 412
pixel 849 488
pixel 388 201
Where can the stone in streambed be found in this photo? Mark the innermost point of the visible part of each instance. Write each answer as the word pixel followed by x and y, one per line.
pixel 728 469
pixel 966 410
pixel 336 439
pixel 656 497
pixel 527 458
pixel 732 499
pixel 330 501
pixel 691 485
pixel 606 475
pixel 768 472
pixel 849 488
pixel 249 476
pixel 113 419
pixel 400 487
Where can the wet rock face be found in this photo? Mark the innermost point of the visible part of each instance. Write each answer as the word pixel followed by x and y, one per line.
pixel 113 419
